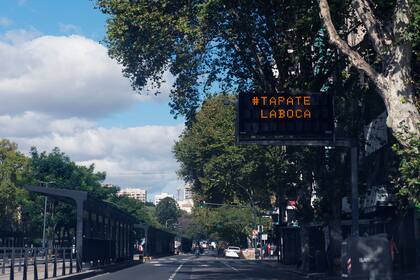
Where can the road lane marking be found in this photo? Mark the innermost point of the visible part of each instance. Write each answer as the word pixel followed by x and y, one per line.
pixel 176 271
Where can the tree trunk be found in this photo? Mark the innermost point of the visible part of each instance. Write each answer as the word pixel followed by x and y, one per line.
pixel 394 83
pixel 335 232
pixel 304 239
pixel 334 249
pixel 403 115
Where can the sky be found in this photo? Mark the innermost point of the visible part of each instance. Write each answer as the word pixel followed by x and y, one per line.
pixel 59 88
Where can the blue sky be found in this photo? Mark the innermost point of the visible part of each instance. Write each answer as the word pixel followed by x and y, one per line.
pixel 64 17
pixel 59 88
pixel 47 15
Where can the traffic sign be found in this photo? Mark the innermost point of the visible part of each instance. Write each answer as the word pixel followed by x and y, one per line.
pixel 284 117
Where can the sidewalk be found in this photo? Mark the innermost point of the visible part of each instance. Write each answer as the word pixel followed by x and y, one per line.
pixel 85 273
pixel 414 275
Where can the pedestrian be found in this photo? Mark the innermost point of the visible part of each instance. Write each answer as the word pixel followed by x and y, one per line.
pixel 393 248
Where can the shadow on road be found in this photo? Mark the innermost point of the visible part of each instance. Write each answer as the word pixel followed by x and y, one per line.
pixel 102 270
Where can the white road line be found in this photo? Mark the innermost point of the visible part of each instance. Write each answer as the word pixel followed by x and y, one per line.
pixel 174 274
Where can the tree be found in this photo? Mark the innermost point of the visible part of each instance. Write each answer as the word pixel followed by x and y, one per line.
pixel 392 74
pixel 232 225
pixel 12 173
pixel 167 212
pixel 223 172
pixel 406 179
pixel 223 44
pixel 134 207
pixel 57 168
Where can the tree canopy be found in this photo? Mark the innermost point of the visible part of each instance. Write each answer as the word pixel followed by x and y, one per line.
pixel 224 172
pixel 167 212
pixel 22 213
pixel 220 44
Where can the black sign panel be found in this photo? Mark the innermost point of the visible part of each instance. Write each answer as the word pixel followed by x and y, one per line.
pixel 284 116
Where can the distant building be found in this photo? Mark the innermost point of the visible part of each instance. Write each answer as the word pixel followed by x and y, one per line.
pixel 135 193
pixel 161 196
pixel 180 194
pixel 186 205
pixel 188 194
pixel 184 193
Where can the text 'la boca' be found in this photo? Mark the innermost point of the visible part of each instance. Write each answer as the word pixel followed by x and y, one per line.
pixel 282 107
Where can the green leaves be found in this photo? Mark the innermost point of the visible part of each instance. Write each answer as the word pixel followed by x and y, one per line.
pixel 223 172
pixel 167 212
pixel 12 173
pixel 231 46
pixel 407 180
pixel 232 225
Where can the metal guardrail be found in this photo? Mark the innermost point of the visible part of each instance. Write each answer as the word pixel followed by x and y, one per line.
pixel 27 263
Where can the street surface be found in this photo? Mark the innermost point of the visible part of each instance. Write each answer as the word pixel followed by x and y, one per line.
pixel 207 266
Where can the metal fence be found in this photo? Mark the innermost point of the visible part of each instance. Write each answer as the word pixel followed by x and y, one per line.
pixel 36 263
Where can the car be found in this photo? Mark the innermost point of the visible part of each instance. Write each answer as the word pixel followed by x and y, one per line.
pixel 203 244
pixel 232 252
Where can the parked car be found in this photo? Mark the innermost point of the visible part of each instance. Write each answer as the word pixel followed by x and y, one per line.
pixel 232 252
pixel 203 244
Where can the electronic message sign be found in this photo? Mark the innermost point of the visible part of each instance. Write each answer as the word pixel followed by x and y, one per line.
pixel 284 116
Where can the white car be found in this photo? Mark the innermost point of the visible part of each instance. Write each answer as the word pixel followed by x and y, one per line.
pixel 232 252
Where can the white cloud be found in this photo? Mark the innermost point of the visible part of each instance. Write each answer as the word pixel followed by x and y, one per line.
pixel 32 124
pixel 63 76
pixel 53 88
pixel 136 156
pixel 4 21
pixel 17 37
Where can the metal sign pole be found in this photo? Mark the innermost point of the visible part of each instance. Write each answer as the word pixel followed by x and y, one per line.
pixel 354 193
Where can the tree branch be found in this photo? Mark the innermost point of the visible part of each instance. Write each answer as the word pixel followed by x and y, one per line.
pixel 355 58
pixel 402 51
pixel 373 27
pixel 401 23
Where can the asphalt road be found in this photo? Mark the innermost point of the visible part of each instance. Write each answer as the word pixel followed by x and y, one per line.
pixel 209 267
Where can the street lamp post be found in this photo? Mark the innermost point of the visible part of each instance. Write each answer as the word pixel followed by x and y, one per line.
pixel 45 213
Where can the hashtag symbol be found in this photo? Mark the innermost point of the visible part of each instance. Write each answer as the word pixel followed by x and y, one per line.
pixel 255 101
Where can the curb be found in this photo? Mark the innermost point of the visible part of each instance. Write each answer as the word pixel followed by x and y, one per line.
pixel 312 275
pixel 97 271
pixel 277 265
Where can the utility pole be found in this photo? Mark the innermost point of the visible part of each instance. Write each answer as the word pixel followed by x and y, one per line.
pixel 45 213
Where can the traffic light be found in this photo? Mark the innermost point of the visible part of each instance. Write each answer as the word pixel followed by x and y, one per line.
pixel 201 204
